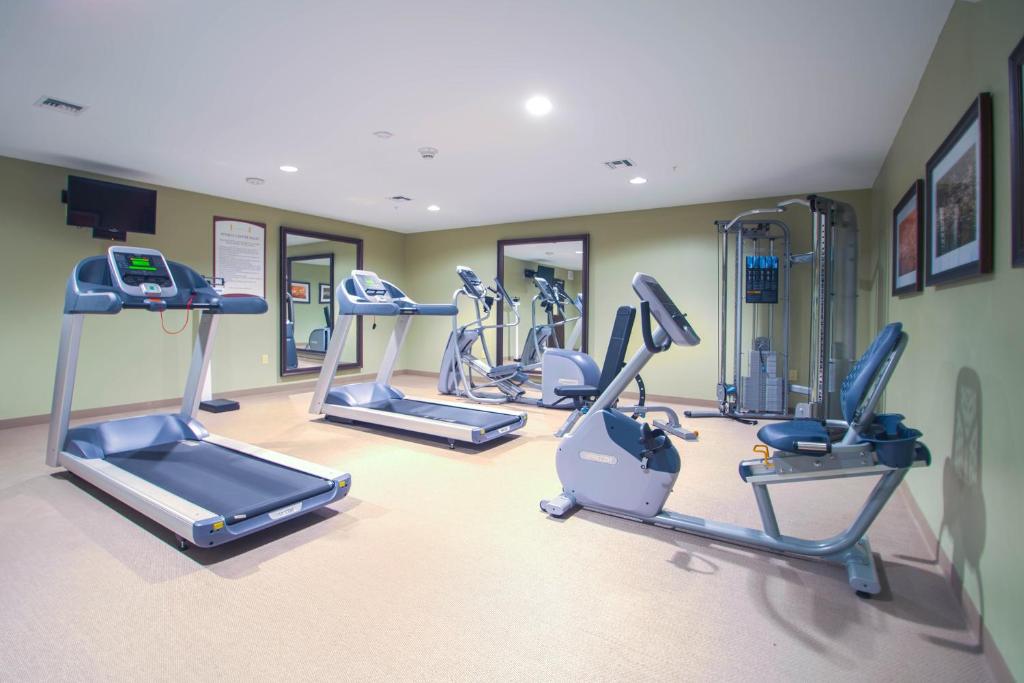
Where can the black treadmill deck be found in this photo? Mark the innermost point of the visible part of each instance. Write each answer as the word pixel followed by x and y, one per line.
pixel 470 417
pixel 224 481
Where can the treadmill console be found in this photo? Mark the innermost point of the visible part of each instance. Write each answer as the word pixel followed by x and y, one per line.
pixel 369 286
pixel 471 282
pixel 141 272
pixel 664 310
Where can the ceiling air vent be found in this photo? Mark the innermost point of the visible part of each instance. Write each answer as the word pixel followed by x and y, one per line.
pixel 62 106
pixel 620 163
pixel 398 198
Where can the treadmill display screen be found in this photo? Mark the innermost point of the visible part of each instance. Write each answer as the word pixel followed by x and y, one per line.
pixel 371 284
pixel 135 269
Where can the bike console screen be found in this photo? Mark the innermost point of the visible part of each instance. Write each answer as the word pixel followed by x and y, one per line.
pixel 141 272
pixel 665 311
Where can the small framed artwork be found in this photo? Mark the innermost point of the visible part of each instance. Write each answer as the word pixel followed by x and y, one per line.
pixel 299 291
pixel 907 230
pixel 958 185
pixel 325 293
pixel 1017 153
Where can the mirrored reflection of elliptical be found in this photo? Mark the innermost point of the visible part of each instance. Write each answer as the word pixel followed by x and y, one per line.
pixel 479 379
pixel 756 370
pixel 541 336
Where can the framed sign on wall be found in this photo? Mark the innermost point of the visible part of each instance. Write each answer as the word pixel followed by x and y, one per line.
pixel 240 256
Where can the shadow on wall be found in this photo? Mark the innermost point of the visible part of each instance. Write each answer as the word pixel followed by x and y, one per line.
pixel 963 503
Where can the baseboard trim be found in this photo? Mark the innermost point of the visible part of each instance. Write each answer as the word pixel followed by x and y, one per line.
pixel 991 652
pixel 281 387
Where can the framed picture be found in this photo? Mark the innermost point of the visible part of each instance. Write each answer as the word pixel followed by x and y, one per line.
pixel 299 291
pixel 958 183
pixel 907 230
pixel 1017 153
pixel 325 293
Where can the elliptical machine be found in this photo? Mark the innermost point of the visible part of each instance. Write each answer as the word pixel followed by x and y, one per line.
pixel 478 379
pixel 540 337
pixel 617 466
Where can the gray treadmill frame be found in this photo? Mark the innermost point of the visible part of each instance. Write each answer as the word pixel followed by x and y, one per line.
pixel 182 517
pixel 447 430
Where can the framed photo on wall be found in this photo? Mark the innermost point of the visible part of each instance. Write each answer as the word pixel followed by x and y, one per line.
pixel 907 231
pixel 1017 153
pixel 299 291
pixel 325 293
pixel 958 184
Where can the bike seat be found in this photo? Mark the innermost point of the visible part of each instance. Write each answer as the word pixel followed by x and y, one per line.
pixel 784 436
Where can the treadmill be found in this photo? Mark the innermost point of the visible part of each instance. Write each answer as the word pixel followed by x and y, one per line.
pixel 379 403
pixel 206 489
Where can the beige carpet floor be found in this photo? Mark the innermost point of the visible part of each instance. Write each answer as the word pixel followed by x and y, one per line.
pixel 440 566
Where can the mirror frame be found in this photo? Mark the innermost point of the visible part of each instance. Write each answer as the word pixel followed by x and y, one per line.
pixel 585 240
pixel 282 275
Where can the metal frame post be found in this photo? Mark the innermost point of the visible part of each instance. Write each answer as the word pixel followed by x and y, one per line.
pixel 64 385
pixel 202 352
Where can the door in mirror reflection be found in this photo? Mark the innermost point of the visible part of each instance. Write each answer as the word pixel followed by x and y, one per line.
pixel 312 266
pixel 547 279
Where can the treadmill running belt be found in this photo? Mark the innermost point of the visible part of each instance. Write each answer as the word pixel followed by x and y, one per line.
pixel 219 479
pixel 486 420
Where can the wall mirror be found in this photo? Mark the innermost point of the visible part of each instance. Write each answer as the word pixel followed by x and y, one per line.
pixel 551 317
pixel 312 265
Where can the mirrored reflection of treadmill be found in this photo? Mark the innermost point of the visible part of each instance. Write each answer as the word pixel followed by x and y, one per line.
pixel 206 489
pixel 379 403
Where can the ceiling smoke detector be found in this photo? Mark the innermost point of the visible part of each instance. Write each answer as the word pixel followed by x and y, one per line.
pixel 400 199
pixel 253 180
pixel 383 134
pixel 63 106
pixel 620 163
pixel 427 152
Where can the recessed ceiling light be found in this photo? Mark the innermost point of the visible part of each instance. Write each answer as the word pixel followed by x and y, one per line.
pixel 253 180
pixel 538 105
pixel 383 134
pixel 433 207
pixel 579 252
pixel 638 180
pixel 290 169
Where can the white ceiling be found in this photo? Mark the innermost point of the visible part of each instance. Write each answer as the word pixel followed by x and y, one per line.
pixel 558 254
pixel 713 99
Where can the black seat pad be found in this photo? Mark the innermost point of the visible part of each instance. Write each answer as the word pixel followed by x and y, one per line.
pixel 581 391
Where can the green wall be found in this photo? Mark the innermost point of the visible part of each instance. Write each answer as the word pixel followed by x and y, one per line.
pixel 961 380
pixel 40 250
pixel 678 245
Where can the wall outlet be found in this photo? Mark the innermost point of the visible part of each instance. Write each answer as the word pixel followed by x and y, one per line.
pixel 792 375
pixel 265 359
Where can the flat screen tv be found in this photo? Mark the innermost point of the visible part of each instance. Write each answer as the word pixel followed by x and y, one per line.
pixel 546 272
pixel 110 209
